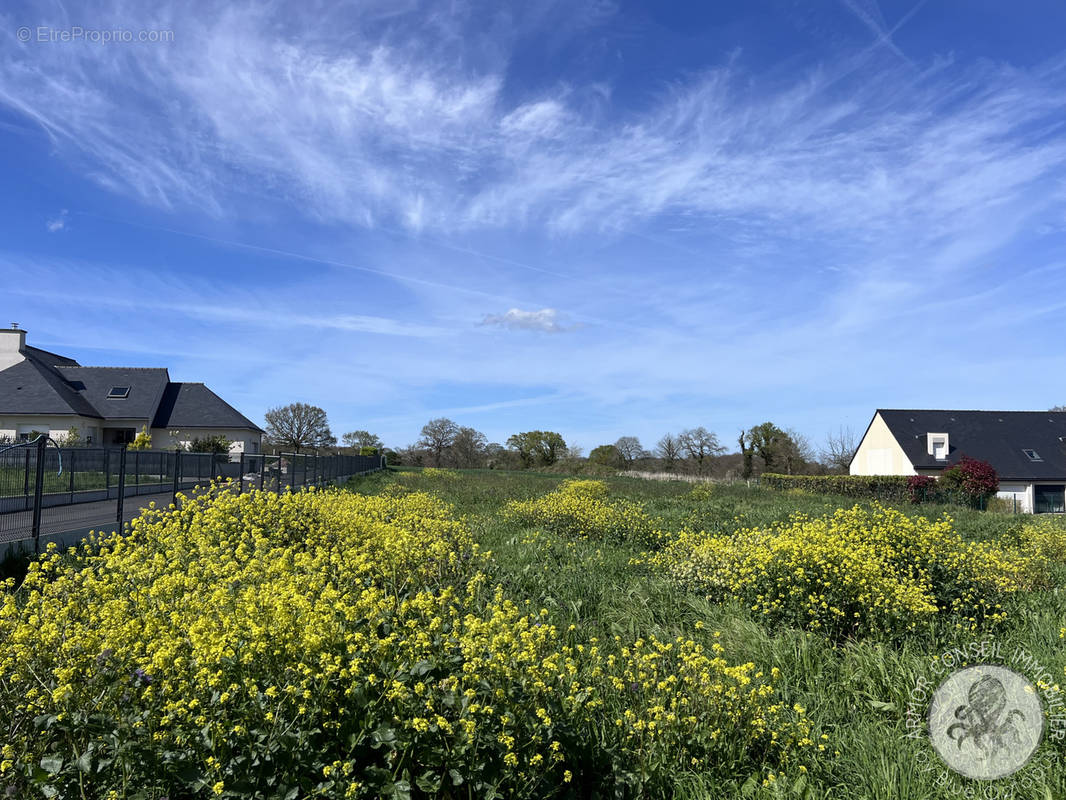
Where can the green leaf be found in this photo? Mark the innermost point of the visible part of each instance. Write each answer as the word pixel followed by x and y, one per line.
pixel 85 761
pixel 52 764
pixel 750 785
pixel 49 791
pixel 880 705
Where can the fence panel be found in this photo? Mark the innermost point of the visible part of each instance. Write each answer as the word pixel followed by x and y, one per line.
pixel 45 489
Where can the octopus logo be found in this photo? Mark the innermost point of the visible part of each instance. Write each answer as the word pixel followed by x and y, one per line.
pixel 986 721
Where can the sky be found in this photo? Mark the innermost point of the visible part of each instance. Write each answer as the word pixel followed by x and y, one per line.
pixel 598 218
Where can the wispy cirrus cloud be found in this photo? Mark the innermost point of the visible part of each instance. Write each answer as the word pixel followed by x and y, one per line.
pixel 372 128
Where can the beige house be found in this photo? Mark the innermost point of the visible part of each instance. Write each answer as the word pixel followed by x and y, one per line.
pixel 1026 448
pixel 41 392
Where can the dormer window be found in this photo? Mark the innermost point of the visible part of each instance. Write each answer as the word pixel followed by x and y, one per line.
pixel 937 445
pixel 118 393
pixel 1032 455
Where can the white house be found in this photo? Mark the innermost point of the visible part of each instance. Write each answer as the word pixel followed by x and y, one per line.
pixel 1026 448
pixel 48 393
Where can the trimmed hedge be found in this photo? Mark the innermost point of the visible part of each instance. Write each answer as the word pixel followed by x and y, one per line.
pixel 879 487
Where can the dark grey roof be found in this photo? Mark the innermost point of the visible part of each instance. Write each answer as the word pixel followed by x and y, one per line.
pixel 146 385
pixel 997 437
pixel 46 383
pixel 193 405
pixel 33 386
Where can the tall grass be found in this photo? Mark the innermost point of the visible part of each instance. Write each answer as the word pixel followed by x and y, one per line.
pixel 855 691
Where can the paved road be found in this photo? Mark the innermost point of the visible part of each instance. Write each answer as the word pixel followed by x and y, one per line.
pixel 101 515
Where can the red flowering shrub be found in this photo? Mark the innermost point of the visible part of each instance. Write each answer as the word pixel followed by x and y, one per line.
pixel 920 487
pixel 975 479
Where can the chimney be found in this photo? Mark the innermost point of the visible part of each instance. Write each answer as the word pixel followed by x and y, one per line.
pixel 12 346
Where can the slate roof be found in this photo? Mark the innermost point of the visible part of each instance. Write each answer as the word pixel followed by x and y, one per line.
pixel 146 385
pixel 193 405
pixel 997 437
pixel 47 383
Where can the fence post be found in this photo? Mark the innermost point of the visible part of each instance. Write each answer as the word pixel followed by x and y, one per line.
pixel 137 469
pixel 71 467
pixel 38 490
pixel 176 470
pixel 262 469
pixel 120 507
pixel 107 474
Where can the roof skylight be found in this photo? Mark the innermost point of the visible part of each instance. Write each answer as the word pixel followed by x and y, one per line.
pixel 1032 455
pixel 118 393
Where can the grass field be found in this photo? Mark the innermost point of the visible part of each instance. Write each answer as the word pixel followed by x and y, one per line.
pixel 855 691
pixel 623 638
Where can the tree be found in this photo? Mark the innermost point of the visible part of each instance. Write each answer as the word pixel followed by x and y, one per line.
pixel 468 448
pixel 839 449
pixel 773 446
pixel 1057 408
pixel 795 453
pixel 143 440
pixel 299 425
pixel 360 439
pixel 437 436
pixel 630 450
pixel 72 437
pixel 606 455
pixel 210 444
pixel 700 446
pixel 669 450
pixel 538 447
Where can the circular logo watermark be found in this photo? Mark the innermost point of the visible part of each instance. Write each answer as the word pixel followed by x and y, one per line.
pixel 985 710
pixel 986 721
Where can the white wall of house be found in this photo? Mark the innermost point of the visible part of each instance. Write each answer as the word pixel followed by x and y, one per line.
pixel 13 426
pixel 1020 493
pixel 879 453
pixel 241 440
pixel 12 343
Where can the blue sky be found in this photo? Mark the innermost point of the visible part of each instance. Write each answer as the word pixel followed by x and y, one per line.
pixel 602 219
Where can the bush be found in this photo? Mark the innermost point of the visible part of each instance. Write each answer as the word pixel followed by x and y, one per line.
pixel 852 573
pixel 921 488
pixel 976 480
pixel 327 644
pixel 888 488
pixel 580 508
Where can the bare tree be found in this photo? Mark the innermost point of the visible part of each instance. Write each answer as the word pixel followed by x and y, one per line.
pixel 700 446
pixel 1057 408
pixel 839 449
pixel 630 450
pixel 299 425
pixel 468 448
pixel 669 450
pixel 437 436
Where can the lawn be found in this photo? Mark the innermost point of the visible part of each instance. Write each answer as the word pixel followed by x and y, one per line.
pixel 465 634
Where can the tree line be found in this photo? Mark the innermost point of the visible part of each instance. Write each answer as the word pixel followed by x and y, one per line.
pixel 442 442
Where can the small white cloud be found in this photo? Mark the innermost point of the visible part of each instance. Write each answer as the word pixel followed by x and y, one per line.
pixel 547 319
pixel 57 224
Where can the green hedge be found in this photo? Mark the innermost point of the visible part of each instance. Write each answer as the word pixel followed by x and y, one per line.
pixel 892 488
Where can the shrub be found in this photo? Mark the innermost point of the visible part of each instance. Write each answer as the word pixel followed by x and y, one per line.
pixel 580 508
pixel 143 440
pixel 888 488
pixel 920 488
pixel 851 573
pixel 334 645
pixel 977 480
pixel 218 444
pixel 436 473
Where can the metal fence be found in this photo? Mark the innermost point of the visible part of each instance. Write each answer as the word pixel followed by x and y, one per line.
pixel 45 489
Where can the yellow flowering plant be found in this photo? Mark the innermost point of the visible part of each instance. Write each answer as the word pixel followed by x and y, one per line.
pixel 853 572
pixel 330 644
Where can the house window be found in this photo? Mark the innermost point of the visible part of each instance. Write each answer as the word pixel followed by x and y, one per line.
pixel 1032 455
pixel 118 393
pixel 937 445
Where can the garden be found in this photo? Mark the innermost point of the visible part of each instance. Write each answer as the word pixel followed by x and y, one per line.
pixel 441 633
